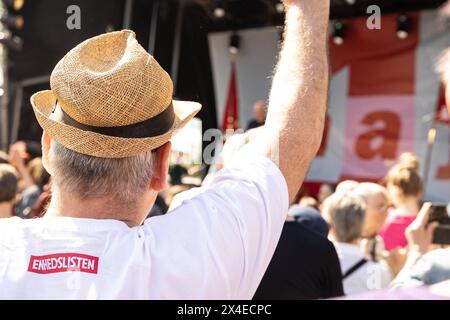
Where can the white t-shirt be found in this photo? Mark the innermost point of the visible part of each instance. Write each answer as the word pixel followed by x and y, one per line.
pixel 370 276
pixel 181 197
pixel 215 246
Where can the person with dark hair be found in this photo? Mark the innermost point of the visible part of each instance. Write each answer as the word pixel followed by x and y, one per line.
pixel 426 264
pixel 33 179
pixel 260 114
pixel 33 150
pixel 305 264
pixel 325 190
pixel 8 190
pixel 176 173
pixel 29 205
pixel 310 218
pixel 159 208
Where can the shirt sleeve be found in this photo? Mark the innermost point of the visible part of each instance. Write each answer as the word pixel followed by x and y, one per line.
pixel 218 244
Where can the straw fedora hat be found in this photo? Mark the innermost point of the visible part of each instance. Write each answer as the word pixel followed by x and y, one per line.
pixel 109 98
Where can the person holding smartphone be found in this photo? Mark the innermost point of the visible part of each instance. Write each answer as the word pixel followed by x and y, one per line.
pixel 428 260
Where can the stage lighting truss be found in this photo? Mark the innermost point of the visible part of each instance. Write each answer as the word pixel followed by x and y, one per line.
pixel 10 22
pixel 8 42
pixel 219 8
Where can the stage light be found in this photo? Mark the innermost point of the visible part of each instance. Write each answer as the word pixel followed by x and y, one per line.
pixel 219 9
pixel 11 42
pixel 339 33
pixel 350 2
pixel 11 21
pixel 279 7
pixel 235 42
pixel 219 12
pixel 403 26
pixel 15 4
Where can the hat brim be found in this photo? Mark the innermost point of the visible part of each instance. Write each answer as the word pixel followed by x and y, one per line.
pixel 99 145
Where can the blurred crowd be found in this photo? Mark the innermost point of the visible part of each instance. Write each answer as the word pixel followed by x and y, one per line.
pixel 354 238
pixel 24 183
pixel 380 231
pixel 351 238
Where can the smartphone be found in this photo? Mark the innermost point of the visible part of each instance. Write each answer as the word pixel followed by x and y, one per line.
pixel 441 234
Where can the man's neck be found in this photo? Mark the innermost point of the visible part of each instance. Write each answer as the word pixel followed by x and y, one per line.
pixel 70 206
pixel 6 210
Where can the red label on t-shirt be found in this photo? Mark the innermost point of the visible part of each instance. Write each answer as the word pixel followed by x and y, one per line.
pixel 63 262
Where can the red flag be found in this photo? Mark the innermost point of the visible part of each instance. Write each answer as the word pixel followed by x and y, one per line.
pixel 231 116
pixel 442 115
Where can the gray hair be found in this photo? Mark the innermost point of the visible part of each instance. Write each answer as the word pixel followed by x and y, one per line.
pixel 346 212
pixel 370 189
pixel 123 180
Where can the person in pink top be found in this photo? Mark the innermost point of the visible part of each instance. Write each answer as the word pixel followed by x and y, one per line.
pixel 405 189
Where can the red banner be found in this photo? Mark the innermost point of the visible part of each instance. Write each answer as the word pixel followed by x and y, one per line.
pixel 442 115
pixel 231 116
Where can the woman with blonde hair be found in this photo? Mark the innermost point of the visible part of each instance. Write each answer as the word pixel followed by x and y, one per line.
pixel 404 186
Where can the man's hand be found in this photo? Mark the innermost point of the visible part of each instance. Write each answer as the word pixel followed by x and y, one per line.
pixel 418 234
pixel 17 154
pixel 420 237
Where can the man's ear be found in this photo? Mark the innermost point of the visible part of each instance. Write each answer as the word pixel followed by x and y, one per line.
pixel 160 167
pixel 46 143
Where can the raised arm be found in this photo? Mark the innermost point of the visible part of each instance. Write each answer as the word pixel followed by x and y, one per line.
pixel 297 103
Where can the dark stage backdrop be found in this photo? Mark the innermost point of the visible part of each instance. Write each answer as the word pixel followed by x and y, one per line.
pixel 47 39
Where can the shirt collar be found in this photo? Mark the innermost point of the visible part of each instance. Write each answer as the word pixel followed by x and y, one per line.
pixel 348 249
